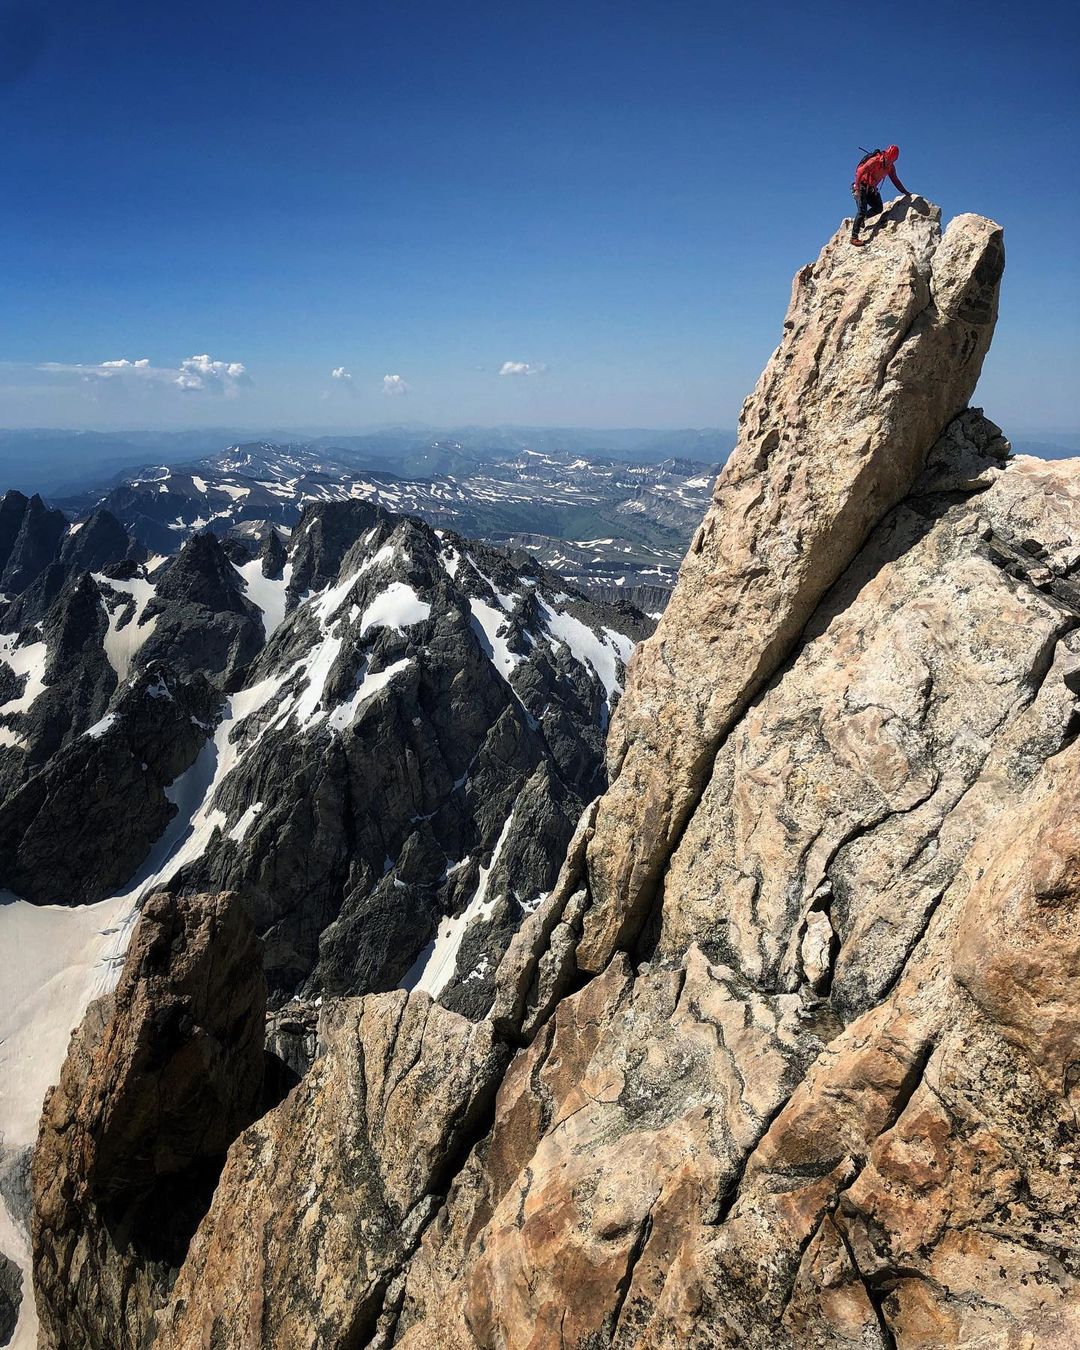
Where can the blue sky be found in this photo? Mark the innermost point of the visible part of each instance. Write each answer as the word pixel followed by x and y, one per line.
pixel 612 196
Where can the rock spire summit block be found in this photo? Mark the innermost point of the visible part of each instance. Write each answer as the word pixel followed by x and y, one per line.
pixel 882 347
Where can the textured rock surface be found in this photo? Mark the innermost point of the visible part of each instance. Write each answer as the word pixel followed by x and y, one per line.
pixel 354 1157
pixel 878 354
pixel 11 1294
pixel 870 922
pixel 822 872
pixel 160 1078
pixel 928 690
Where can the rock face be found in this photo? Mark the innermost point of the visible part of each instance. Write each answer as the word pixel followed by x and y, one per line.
pixel 10 1298
pixel 382 1119
pixel 78 829
pixel 823 1095
pixel 161 1077
pixel 877 357
pixel 378 737
pixel 786 1055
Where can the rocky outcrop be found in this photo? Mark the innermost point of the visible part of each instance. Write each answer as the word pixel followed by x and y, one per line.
pixel 98 542
pixel 878 355
pixel 79 829
pixel 34 544
pixel 821 1109
pixel 202 621
pixel 10 1297
pixel 384 1116
pixel 162 1075
pixel 928 691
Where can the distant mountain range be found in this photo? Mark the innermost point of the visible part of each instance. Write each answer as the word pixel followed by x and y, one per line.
pixel 600 521
pixel 58 461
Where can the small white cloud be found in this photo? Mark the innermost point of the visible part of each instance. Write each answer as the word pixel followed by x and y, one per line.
pixel 104 370
pixel 200 373
pixel 394 385
pixel 521 368
pixel 340 373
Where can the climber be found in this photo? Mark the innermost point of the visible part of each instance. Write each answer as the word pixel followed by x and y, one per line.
pixel 872 170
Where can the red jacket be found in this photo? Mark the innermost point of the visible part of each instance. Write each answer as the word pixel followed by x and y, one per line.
pixel 877 168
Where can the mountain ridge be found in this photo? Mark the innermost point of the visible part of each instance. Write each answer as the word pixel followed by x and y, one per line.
pixel 781 1054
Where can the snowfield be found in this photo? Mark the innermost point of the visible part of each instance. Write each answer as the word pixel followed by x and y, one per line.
pixel 432 969
pixel 267 594
pixel 127 630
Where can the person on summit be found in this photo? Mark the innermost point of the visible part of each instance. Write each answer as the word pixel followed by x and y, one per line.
pixel 872 170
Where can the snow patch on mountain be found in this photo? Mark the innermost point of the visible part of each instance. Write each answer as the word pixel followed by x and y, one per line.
pixel 29 660
pixel 397 607
pixel 599 653
pixel 127 630
pixel 342 716
pixel 433 968
pixel 267 594
pixel 489 625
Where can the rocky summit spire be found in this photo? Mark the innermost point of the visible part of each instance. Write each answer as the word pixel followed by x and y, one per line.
pixel 880 351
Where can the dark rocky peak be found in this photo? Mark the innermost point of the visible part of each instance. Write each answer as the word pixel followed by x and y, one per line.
pixel 35 545
pixel 35 601
pixel 84 818
pixel 238 551
pixel 325 534
pixel 66 679
pixel 198 618
pixel 13 506
pixel 384 735
pixel 122 571
pixel 273 555
pixel 202 575
pixel 76 622
pixel 97 542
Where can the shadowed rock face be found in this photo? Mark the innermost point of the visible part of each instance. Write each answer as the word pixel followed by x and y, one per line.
pixel 162 1075
pixel 786 1058
pixel 385 1115
pixel 10 1297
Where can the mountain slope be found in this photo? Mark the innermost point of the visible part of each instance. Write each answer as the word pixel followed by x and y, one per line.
pixel 378 737
pixel 786 1056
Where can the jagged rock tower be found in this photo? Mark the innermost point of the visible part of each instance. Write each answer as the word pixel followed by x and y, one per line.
pixel 789 1055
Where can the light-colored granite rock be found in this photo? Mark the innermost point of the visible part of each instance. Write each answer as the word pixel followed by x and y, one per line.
pixel 881 349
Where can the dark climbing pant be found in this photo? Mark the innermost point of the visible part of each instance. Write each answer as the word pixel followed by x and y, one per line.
pixel 867 203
